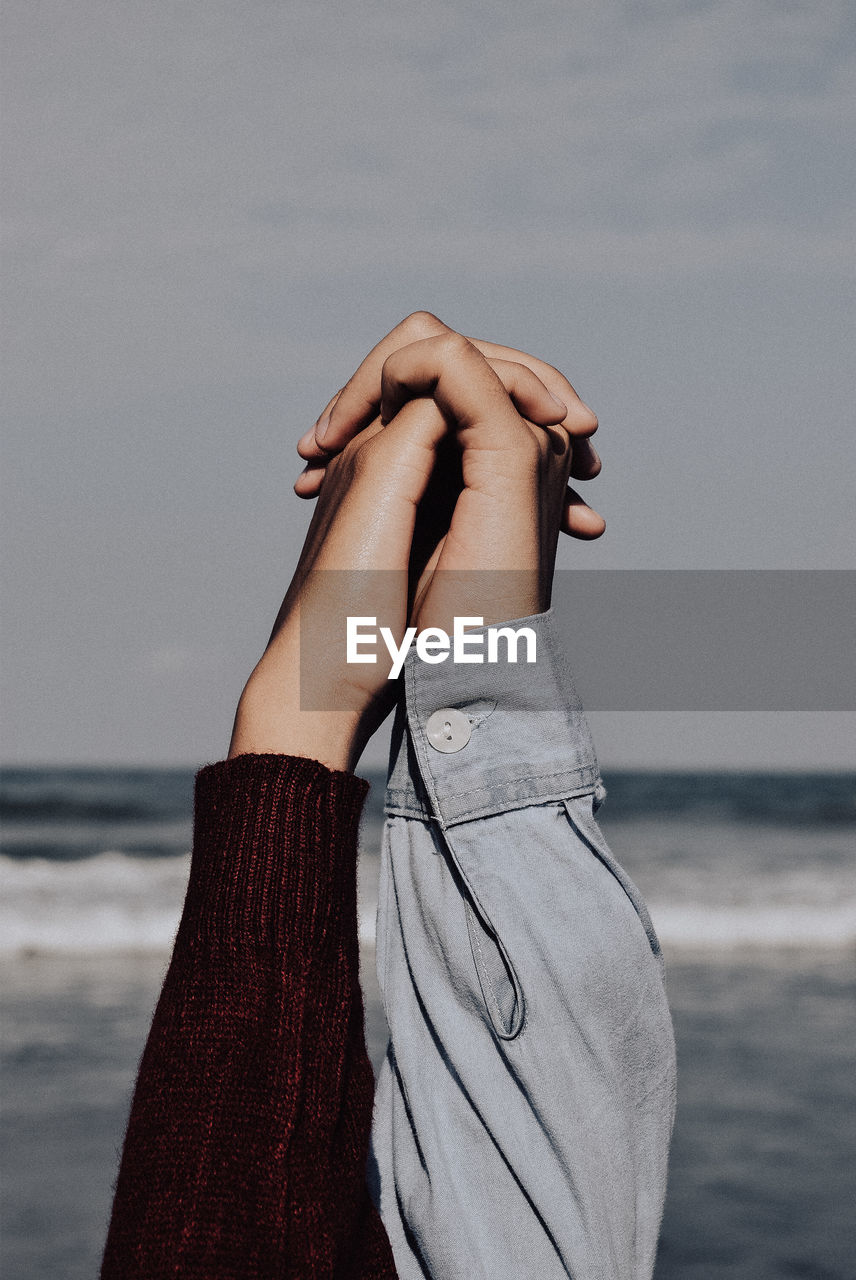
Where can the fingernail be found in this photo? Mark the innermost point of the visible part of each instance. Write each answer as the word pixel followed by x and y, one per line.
pixel 561 404
pixel 321 426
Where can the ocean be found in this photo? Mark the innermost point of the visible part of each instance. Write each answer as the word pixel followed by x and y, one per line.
pixel 751 885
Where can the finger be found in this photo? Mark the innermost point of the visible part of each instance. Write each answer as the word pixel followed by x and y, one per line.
pixel 585 461
pixel 531 398
pixel 459 379
pixel 527 392
pixel 308 449
pixel 580 420
pixel 359 399
pixel 307 446
pixel 529 395
pixel 308 483
pixel 578 518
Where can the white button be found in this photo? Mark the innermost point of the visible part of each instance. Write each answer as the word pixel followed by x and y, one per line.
pixel 448 730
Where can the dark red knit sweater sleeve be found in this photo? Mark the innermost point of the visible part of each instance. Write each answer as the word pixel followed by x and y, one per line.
pixel 246 1146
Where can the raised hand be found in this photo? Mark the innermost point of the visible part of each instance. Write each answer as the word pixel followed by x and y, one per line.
pixel 403 537
pixel 359 401
pixel 357 559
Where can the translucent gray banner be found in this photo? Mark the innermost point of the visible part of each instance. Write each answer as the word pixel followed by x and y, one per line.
pixel 636 640
pixel 710 640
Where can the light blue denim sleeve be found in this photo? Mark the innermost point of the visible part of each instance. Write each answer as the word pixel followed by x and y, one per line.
pixel 524 1109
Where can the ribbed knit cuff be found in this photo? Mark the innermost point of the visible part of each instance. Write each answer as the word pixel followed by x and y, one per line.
pixel 274 856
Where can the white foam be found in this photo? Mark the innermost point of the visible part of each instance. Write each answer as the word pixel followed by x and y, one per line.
pixel 368 926
pixel 111 902
pixel 697 926
pixel 115 902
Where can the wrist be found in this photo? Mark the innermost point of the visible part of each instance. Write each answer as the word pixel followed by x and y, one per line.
pixel 269 720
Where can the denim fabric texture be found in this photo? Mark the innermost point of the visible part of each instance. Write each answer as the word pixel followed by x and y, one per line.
pixel 524 1109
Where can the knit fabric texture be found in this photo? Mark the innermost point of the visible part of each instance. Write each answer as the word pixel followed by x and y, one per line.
pixel 246 1146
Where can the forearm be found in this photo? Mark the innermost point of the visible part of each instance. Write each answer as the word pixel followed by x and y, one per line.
pixel 269 719
pixel 245 1152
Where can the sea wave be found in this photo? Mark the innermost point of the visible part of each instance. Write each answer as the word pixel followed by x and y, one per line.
pixel 737 928
pixel 111 902
pixel 62 795
pixel 805 799
pixel 115 902
pixel 797 800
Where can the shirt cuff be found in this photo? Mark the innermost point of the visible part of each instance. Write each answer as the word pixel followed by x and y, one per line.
pixel 517 736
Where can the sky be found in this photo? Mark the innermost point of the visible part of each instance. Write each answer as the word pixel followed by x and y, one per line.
pixel 212 211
